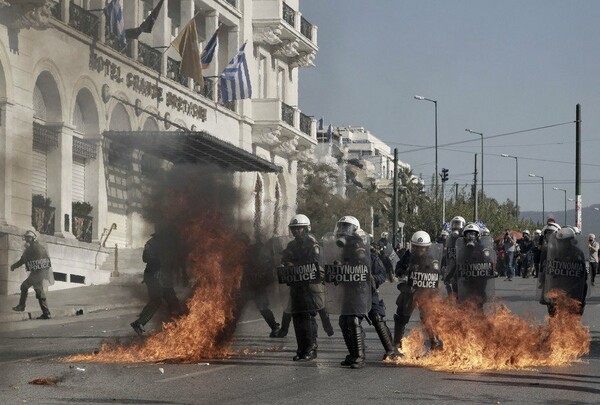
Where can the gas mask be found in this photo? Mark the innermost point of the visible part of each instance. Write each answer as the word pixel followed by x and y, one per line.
pixel 470 239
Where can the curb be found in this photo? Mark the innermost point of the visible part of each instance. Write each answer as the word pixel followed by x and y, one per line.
pixel 65 312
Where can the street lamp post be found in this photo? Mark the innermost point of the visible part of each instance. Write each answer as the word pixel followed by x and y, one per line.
pixel 479 133
pixel 516 180
pixel 436 140
pixel 565 191
pixel 543 206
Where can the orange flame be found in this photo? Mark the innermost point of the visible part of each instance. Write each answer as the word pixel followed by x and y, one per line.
pixel 501 340
pixel 206 330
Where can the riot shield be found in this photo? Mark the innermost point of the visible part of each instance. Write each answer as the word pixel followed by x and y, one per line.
pixel 565 267
pixel 476 269
pixel 391 255
pixel 348 270
pixel 302 276
pixel 424 272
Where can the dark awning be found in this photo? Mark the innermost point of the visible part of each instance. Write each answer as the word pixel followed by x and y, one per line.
pixel 192 147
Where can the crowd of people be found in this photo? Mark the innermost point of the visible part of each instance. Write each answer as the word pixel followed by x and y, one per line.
pixel 342 272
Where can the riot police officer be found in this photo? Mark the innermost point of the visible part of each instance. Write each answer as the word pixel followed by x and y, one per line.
pixel 159 256
pixel 304 302
pixel 456 226
pixel 565 268
pixel 37 263
pixel 351 274
pixel 536 250
pixel 475 264
pixel 377 312
pixel 419 279
pixel 525 249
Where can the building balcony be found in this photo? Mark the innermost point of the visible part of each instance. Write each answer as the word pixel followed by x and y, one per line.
pixel 287 122
pixel 291 35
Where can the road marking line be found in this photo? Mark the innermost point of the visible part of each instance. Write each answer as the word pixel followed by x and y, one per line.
pixel 251 321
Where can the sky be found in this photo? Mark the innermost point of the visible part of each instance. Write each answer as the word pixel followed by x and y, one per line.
pixel 495 67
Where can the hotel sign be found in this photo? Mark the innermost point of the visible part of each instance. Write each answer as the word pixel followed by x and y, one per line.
pixel 145 87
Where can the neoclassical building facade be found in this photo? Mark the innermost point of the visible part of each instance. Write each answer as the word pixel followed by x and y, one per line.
pixel 70 95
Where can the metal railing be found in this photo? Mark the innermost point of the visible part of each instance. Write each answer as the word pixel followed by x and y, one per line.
pixel 174 71
pixel 305 123
pixel 112 40
pixel 287 114
pixel 289 15
pixel 149 56
pixel 306 28
pixel 56 11
pixel 230 105
pixel 84 21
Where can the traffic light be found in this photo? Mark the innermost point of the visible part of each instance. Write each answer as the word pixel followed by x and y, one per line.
pixel 444 175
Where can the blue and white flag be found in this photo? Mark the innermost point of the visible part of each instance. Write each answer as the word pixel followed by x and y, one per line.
pixel 329 133
pixel 209 50
pixel 114 18
pixel 235 79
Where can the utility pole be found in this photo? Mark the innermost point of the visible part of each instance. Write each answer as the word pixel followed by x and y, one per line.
pixel 578 201
pixel 475 190
pixel 444 176
pixel 395 200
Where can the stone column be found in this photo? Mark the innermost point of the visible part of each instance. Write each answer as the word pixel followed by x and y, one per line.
pixel 5 163
pixel 212 22
pixel 60 170
pixel 95 190
pixel 161 33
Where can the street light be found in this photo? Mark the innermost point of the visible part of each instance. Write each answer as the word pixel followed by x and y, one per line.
pixel 516 178
pixel 543 206
pixel 436 139
pixel 479 133
pixel 565 191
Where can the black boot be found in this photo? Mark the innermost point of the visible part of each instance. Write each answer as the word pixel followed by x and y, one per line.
pixel 270 318
pixel 327 326
pixel 346 334
pixel 399 326
pixel 285 325
pixel 357 343
pixel 304 337
pixel 22 301
pixel 385 336
pixel 314 333
pixel 45 309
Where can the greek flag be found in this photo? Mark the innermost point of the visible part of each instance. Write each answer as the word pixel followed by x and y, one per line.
pixel 114 17
pixel 235 79
pixel 209 50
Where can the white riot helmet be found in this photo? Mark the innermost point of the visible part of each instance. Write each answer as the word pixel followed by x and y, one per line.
pixel 525 232
pixel 299 220
pixel 575 229
pixel 565 233
pixel 384 235
pixel 420 238
pixel 551 228
pixel 347 226
pixel 471 228
pixel 457 223
pixel 471 233
pixel 30 234
pixel 485 231
pixel 537 232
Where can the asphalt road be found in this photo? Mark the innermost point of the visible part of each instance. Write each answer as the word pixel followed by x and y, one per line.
pixel 32 349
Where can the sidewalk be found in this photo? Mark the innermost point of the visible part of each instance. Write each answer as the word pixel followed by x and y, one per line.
pixel 76 301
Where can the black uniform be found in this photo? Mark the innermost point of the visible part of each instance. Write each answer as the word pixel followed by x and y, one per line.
pixel 258 277
pixel 526 247
pixel 355 253
pixel 412 289
pixel 304 304
pixel 37 262
pixel 159 253
pixel 377 312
